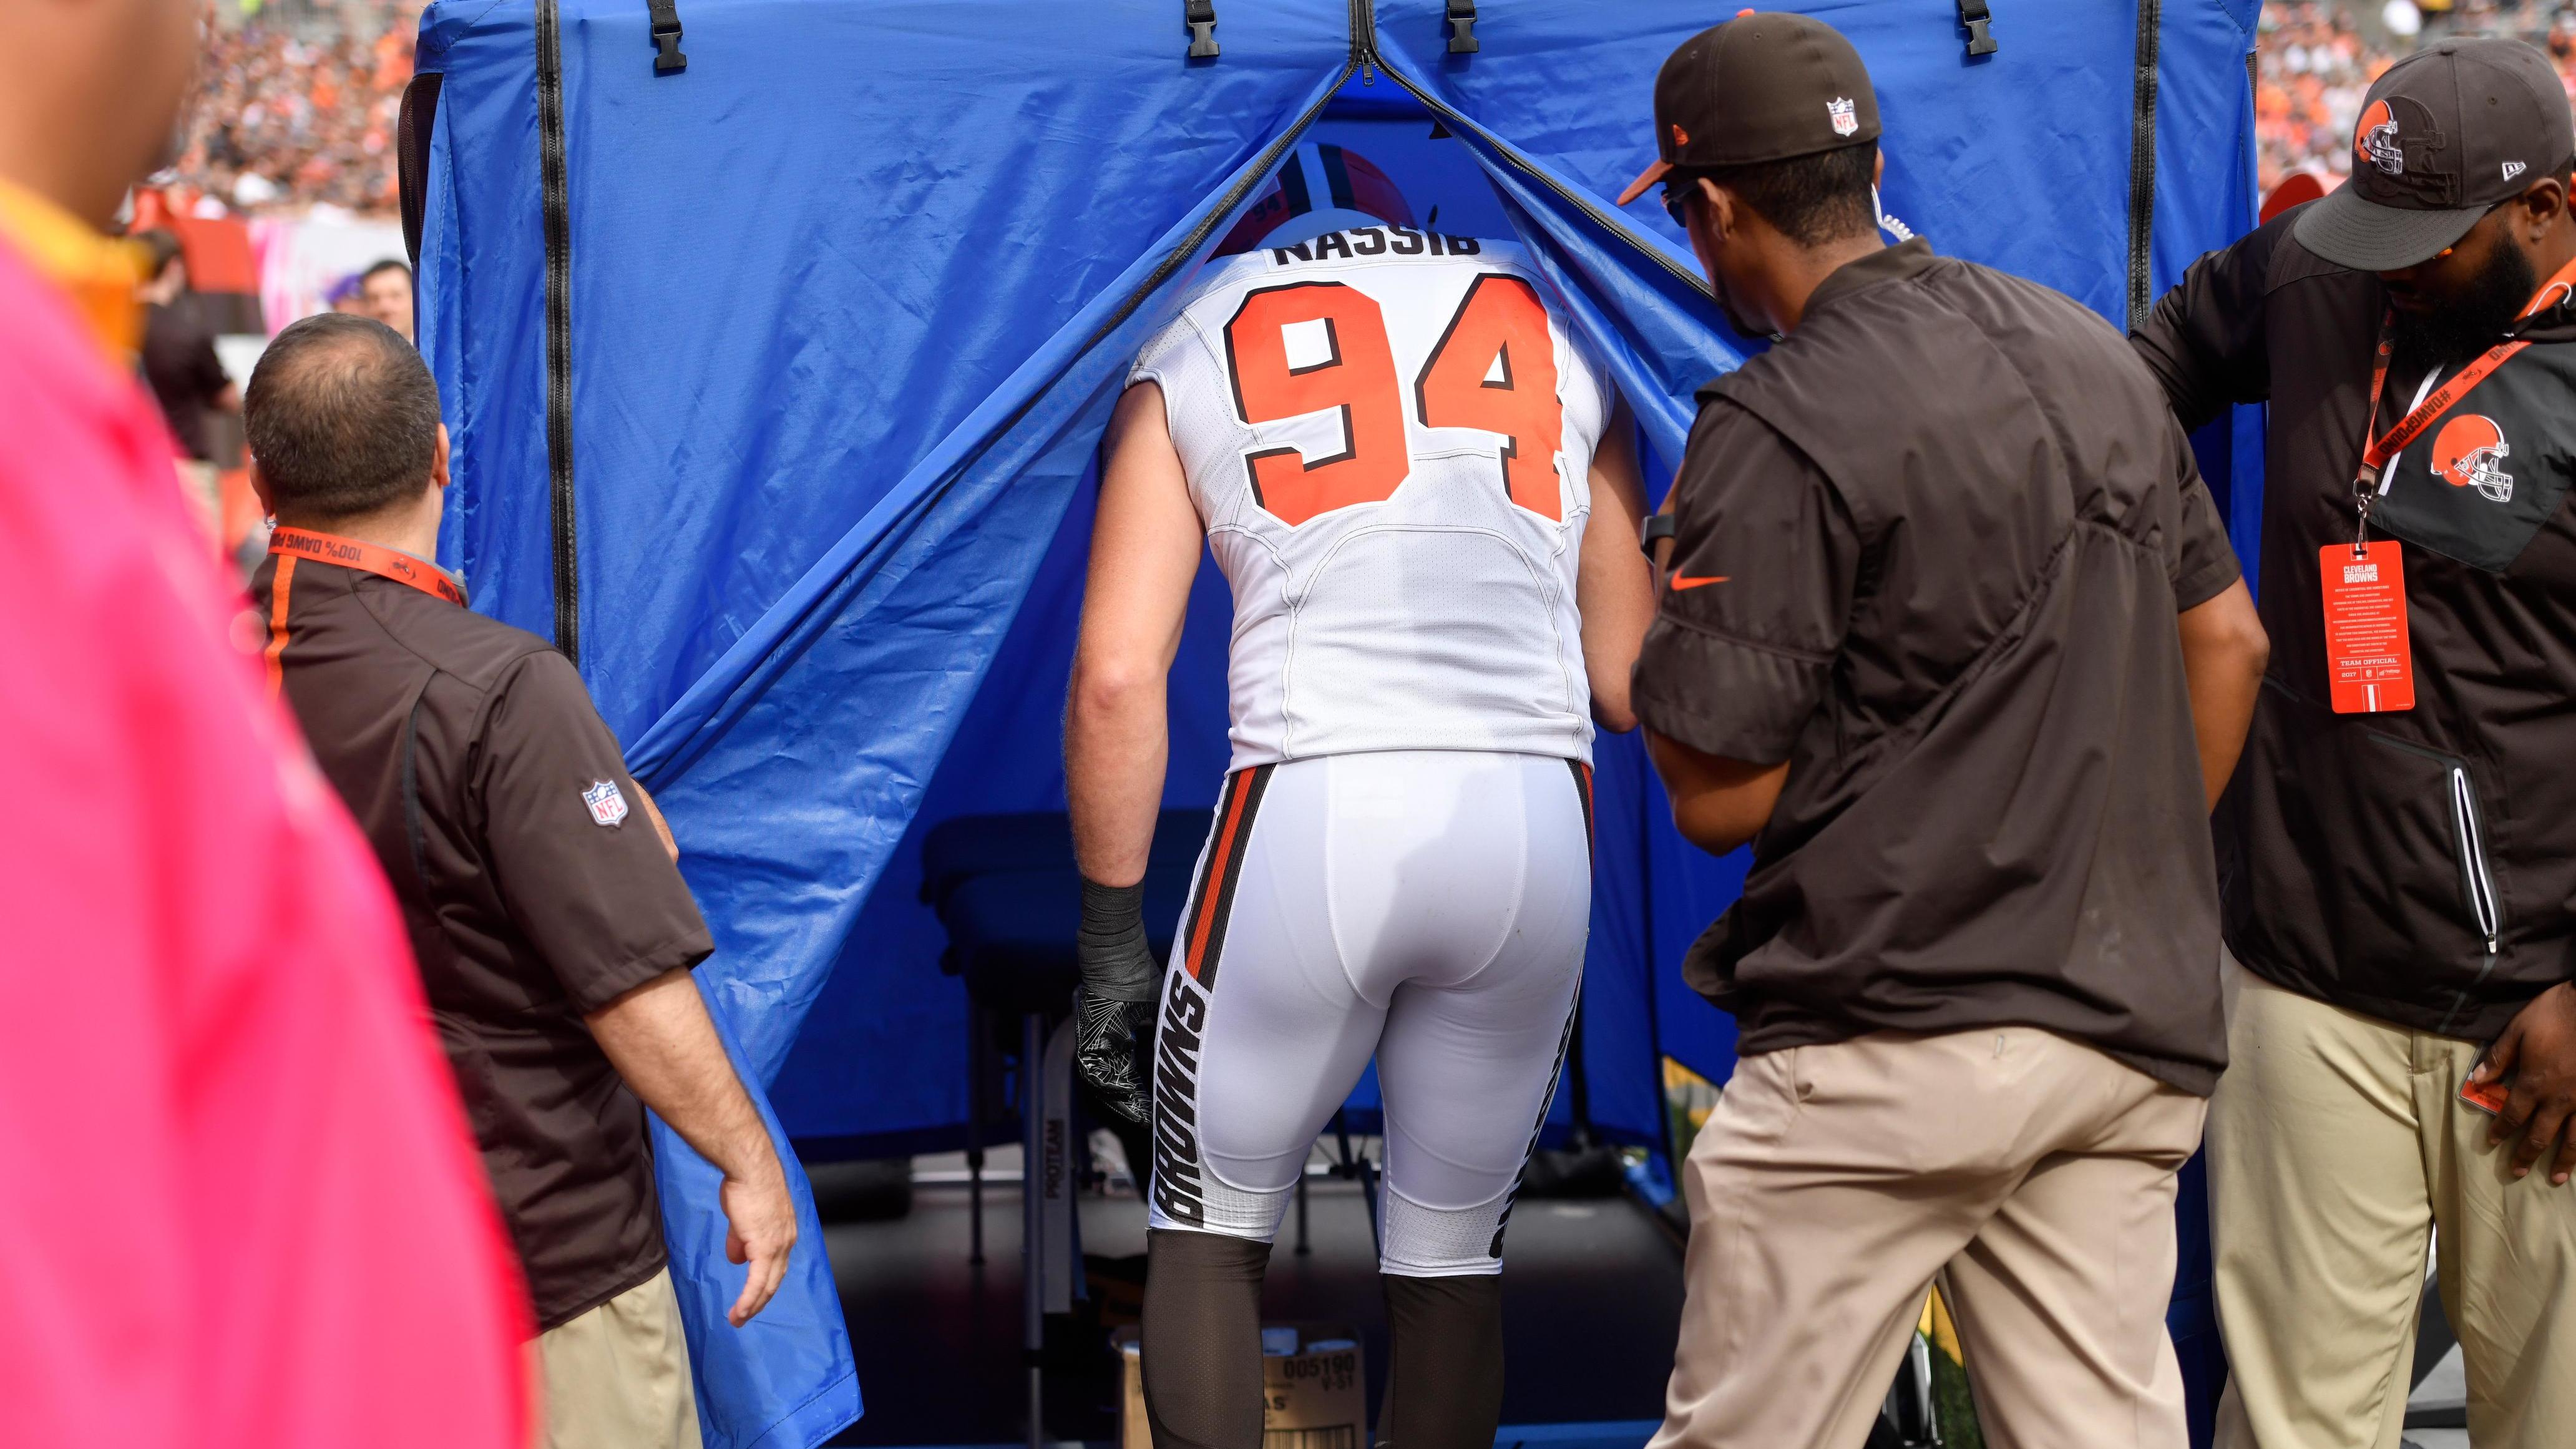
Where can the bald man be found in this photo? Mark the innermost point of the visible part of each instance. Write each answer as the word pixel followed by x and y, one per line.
pixel 544 898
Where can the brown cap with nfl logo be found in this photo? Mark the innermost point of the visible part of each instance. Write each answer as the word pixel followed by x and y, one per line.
pixel 1761 87
pixel 2446 134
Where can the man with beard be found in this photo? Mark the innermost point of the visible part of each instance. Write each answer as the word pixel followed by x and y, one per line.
pixel 2399 848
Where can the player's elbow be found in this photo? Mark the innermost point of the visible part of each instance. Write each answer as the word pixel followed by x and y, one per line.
pixel 1715 825
pixel 1111 685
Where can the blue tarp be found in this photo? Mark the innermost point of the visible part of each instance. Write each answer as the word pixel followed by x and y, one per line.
pixel 848 301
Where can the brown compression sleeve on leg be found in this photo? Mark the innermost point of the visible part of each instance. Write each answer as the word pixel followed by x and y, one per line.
pixel 1202 1339
pixel 1444 1363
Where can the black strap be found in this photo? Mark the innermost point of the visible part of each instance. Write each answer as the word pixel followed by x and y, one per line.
pixel 1201 18
pixel 1658 526
pixel 413 127
pixel 666 37
pixel 1973 15
pixel 1462 27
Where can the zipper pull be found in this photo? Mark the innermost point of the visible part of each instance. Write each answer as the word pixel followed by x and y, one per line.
pixel 1368 74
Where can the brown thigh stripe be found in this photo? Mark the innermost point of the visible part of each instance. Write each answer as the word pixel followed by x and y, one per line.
pixel 1215 898
pixel 1583 792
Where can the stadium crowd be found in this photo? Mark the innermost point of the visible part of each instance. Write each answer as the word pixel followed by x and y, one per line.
pixel 288 114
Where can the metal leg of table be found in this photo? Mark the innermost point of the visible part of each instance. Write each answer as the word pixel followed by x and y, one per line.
pixel 1303 1247
pixel 1032 1244
pixel 976 1071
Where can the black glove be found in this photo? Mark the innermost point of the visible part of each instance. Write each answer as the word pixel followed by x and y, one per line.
pixel 1113 1047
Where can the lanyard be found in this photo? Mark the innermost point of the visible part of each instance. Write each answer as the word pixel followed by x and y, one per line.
pixel 349 553
pixel 2428 409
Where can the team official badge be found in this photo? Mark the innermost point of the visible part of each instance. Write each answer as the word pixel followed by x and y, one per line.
pixel 607 803
pixel 2469 452
pixel 2374 139
pixel 1846 120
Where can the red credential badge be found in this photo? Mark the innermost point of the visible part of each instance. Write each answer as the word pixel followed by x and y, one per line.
pixel 2369 668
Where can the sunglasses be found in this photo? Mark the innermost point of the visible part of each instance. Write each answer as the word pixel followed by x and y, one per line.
pixel 1679 188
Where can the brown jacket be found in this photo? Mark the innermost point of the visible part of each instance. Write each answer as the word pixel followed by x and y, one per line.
pixel 2418 867
pixel 1930 549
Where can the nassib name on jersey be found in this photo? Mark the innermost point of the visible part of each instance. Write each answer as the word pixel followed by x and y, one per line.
pixel 1370 241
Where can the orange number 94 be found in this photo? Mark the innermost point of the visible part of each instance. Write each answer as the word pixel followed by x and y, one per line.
pixel 1495 370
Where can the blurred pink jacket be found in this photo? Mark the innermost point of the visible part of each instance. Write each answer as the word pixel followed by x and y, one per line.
pixel 238 1203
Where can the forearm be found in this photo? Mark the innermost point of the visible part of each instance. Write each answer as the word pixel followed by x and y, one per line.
pixel 1117 745
pixel 2224 651
pixel 1145 543
pixel 1614 590
pixel 1718 804
pixel 663 1044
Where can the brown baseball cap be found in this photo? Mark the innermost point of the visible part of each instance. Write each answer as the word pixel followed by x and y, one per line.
pixel 1761 87
pixel 2444 135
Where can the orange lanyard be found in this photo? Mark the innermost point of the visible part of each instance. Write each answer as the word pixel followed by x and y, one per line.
pixel 2376 452
pixel 383 562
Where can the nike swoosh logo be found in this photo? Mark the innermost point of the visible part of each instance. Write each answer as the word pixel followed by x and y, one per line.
pixel 1693 581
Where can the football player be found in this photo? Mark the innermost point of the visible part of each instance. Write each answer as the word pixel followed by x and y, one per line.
pixel 1424 495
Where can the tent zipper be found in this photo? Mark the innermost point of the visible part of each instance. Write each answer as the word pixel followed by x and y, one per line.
pixel 2142 162
pixel 1457 121
pixel 2468 833
pixel 557 214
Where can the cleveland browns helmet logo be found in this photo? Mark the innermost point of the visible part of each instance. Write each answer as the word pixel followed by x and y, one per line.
pixel 2374 139
pixel 2469 452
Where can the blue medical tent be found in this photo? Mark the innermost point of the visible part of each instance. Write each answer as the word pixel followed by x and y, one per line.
pixel 776 338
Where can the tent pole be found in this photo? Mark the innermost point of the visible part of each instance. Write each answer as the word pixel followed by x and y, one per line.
pixel 1032 1244
pixel 1646 938
pixel 1303 1246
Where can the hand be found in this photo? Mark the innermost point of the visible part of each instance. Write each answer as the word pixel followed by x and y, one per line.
pixel 1113 1043
pixel 2538 1049
pixel 760 1226
pixel 1112 1050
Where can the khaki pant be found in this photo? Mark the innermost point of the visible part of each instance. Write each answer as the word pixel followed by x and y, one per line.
pixel 2335 1146
pixel 1831 1183
pixel 618 1376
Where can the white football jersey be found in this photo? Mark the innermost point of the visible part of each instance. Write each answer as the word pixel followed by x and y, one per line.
pixel 1389 438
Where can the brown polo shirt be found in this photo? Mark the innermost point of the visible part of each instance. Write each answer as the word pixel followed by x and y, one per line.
pixel 1930 549
pixel 534 887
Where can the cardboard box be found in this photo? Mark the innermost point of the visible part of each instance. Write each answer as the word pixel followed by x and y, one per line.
pixel 1312 1399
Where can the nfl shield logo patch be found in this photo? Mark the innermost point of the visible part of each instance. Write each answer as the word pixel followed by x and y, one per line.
pixel 1844 119
pixel 607 803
